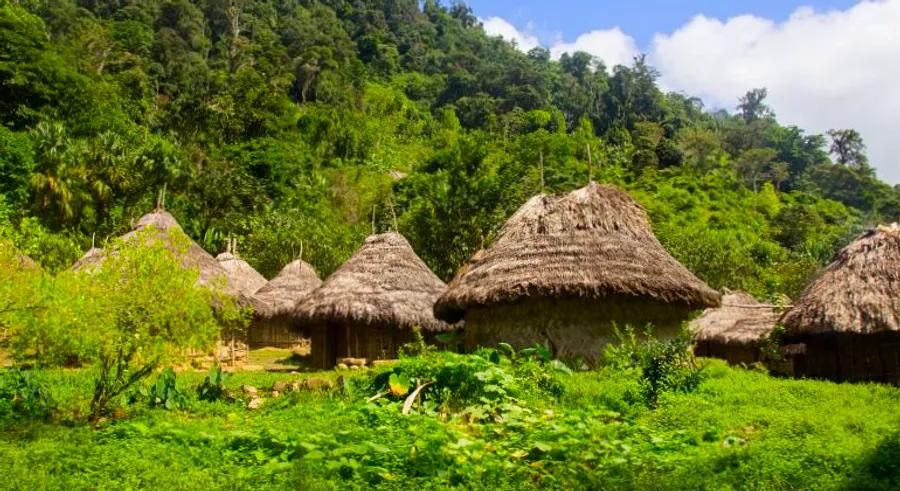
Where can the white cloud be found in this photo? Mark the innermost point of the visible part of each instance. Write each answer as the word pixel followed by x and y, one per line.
pixel 823 70
pixel 497 26
pixel 612 46
pixel 836 69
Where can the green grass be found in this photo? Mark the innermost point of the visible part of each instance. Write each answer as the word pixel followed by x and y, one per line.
pixel 739 430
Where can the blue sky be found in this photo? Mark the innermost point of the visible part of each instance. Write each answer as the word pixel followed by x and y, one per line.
pixel 827 64
pixel 640 19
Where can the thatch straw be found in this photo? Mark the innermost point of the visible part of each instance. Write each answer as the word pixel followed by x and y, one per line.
pixel 241 276
pixel 164 225
pixel 280 296
pixel 593 243
pixel 741 320
pixel 857 293
pixel 211 273
pixel 26 263
pixel 384 284
pixel 90 260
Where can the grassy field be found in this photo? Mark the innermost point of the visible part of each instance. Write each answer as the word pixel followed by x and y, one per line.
pixel 520 427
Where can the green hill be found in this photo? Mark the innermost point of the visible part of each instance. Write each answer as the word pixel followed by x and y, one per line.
pixel 311 122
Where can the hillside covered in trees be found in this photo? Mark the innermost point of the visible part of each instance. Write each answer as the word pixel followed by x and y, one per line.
pixel 303 125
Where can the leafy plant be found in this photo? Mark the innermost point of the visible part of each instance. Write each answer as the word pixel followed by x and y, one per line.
pixel 23 394
pixel 664 366
pixel 165 392
pixel 138 310
pixel 417 346
pixel 213 386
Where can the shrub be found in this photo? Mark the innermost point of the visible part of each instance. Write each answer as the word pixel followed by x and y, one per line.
pixel 665 366
pixel 140 309
pixel 22 394
pixel 480 386
pixel 213 386
pixel 165 392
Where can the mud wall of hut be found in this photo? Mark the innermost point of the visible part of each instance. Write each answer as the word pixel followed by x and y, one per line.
pixel 570 328
pixel 850 358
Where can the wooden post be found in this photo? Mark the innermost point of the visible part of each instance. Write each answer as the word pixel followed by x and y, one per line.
pixel 542 171
pixel 394 215
pixel 590 164
pixel 233 362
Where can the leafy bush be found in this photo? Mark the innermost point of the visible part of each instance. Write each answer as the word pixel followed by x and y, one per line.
pixel 480 386
pixel 140 309
pixel 213 386
pixel 665 366
pixel 165 392
pixel 22 394
pixel 417 346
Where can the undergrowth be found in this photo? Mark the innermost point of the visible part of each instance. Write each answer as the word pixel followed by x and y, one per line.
pixel 497 419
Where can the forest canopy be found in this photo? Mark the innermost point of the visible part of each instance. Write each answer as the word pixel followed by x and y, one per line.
pixel 303 125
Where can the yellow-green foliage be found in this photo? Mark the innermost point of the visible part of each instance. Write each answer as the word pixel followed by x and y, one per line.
pixel 139 309
pixel 140 302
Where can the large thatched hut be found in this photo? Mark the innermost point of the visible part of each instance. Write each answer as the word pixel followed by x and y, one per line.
pixel 848 318
pixel 735 331
pixel 369 306
pixel 564 269
pixel 273 322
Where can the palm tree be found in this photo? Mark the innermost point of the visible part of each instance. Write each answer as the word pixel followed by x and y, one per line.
pixel 57 183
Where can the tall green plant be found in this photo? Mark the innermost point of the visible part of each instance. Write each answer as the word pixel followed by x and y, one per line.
pixel 139 310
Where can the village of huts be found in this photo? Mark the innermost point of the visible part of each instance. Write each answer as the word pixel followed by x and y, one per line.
pixel 566 272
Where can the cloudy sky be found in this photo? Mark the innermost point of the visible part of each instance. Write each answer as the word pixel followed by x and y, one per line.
pixel 827 64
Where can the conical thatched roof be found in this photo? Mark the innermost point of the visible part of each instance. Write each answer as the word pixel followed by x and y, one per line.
pixel 594 242
pixel 384 283
pixel 280 296
pixel 740 320
pixel 210 272
pixel 241 275
pixel 194 257
pixel 91 259
pixel 857 293
pixel 26 262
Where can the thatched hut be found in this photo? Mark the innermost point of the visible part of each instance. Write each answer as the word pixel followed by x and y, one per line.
pixel 369 306
pixel 211 274
pixel 848 318
pixel 91 259
pixel 25 262
pixel 565 269
pixel 736 330
pixel 273 323
pixel 240 274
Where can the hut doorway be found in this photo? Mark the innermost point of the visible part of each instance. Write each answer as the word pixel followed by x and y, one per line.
pixel 369 342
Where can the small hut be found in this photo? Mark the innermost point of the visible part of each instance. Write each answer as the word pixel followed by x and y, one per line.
pixel 565 269
pixel 369 306
pixel 735 330
pixel 848 318
pixel 91 259
pixel 165 225
pixel 241 275
pixel 274 323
